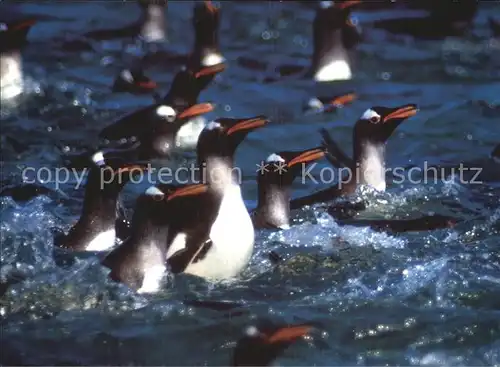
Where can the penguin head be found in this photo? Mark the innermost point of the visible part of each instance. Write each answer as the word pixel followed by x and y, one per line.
pixel 221 137
pixel 134 80
pixel 282 168
pixel 328 104
pixel 377 124
pixel 13 34
pixel 332 15
pixel 110 172
pixel 262 344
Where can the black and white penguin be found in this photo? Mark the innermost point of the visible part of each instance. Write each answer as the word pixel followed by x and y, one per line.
pixel 133 81
pixel 168 124
pixel 262 344
pixel 223 245
pixel 274 181
pixel 140 261
pixel 96 228
pixel 367 167
pixel 327 104
pixel 13 37
pixel 150 27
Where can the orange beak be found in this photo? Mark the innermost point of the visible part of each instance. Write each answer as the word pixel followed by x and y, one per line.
pixel 211 70
pixel 307 156
pixel 343 100
pixel 402 112
pixel 147 85
pixel 24 24
pixel 196 110
pixel 348 4
pixel 248 124
pixel 188 190
pixel 288 334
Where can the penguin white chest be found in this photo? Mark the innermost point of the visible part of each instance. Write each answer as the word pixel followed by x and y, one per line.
pixel 12 76
pixel 335 70
pixel 232 236
pixel 373 168
pixel 187 136
pixel 104 241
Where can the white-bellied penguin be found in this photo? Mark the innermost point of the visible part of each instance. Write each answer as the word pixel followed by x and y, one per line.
pixel 13 36
pixel 150 27
pixel 367 167
pixel 274 181
pixel 223 244
pixel 263 343
pixel 140 261
pixel 96 228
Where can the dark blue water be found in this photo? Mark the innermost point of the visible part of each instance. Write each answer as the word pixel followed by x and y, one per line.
pixel 425 298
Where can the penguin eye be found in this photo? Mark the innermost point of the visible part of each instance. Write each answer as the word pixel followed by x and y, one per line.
pixel 375 119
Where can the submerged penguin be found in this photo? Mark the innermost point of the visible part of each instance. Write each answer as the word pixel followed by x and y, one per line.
pixel 274 181
pixel 96 228
pixel 133 81
pixel 367 167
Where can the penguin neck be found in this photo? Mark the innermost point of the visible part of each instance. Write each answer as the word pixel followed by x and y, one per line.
pixel 220 174
pixel 153 23
pixel 370 164
pixel 330 59
pixel 100 207
pixel 11 70
pixel 273 206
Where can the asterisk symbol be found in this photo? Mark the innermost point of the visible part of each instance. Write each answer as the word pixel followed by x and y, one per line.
pixel 262 167
pixel 280 167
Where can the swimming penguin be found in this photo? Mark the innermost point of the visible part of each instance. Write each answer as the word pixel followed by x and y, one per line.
pixel 167 124
pixel 326 104
pixel 445 18
pixel 95 230
pixel 334 35
pixel 13 36
pixel 262 344
pixel 274 181
pixel 150 27
pixel 206 51
pixel 221 246
pixel 140 261
pixel 370 135
pixel 133 81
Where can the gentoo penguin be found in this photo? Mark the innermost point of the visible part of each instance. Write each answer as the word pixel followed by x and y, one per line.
pixel 150 27
pixel 220 247
pixel 274 181
pixel 133 81
pixel 496 154
pixel 13 36
pixel 262 344
pixel 334 35
pixel 169 123
pixel 95 230
pixel 370 135
pixel 445 18
pixel 206 51
pixel 140 261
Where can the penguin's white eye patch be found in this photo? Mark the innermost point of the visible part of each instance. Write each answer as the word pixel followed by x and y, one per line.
pixel 252 331
pixel 326 4
pixel 166 112
pixel 155 193
pixel 275 158
pixel 371 116
pixel 212 125
pixel 98 158
pixel 127 75
pixel 315 103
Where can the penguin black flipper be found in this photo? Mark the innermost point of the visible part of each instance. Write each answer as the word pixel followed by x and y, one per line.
pixel 196 248
pixel 335 154
pixel 425 223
